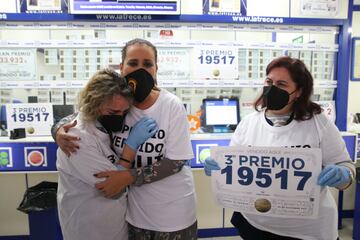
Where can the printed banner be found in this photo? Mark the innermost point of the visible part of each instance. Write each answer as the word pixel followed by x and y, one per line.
pixel 168 7
pixel 319 7
pixel 268 181
pixel 36 118
pixel 174 63
pixel 17 65
pixel 216 62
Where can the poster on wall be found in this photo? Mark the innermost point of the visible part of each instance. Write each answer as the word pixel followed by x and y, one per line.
pixel 222 7
pixel 39 5
pixel 10 6
pixel 328 8
pixel 355 65
pixel 162 7
pixel 36 118
pixel 174 63
pixel 17 64
pixel 44 6
pixel 216 62
pixel 271 181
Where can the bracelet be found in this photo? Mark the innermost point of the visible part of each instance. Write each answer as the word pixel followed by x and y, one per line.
pixel 125 160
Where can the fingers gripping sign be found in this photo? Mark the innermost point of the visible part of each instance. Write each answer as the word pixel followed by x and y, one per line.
pixel 334 176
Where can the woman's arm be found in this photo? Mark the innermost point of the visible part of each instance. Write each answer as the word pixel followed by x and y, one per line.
pixel 65 140
pixel 157 171
pixel 61 123
pixel 117 180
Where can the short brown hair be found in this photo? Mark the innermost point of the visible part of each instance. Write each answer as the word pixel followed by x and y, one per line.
pixel 141 42
pixel 102 86
pixel 303 107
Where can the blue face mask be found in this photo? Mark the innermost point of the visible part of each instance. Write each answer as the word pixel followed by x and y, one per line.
pixel 275 98
pixel 112 123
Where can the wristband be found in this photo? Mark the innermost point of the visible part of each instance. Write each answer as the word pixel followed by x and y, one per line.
pixel 125 160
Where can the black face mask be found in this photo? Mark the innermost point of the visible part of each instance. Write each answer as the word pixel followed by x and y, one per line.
pixel 141 82
pixel 112 123
pixel 275 98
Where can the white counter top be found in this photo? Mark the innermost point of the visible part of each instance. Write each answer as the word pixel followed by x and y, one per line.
pixel 28 139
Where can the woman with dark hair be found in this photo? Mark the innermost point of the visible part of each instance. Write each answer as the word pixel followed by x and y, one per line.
pixel 285 116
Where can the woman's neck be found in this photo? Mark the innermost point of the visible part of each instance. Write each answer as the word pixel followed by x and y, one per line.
pixel 282 112
pixel 270 113
pixel 149 100
pixel 278 120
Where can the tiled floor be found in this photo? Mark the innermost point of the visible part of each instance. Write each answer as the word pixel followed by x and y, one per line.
pixel 345 232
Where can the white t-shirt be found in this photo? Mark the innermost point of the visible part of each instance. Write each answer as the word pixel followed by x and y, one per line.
pixel 166 205
pixel 318 132
pixel 84 212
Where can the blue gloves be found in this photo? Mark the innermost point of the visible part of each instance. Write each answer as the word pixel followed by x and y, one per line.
pixel 141 131
pixel 334 176
pixel 209 165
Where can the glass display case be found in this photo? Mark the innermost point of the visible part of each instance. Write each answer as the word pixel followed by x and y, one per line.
pixel 51 62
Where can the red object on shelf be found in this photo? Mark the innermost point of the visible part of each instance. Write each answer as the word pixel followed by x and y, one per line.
pixel 166 33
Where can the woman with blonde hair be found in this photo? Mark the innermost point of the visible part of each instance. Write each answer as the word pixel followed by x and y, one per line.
pixel 83 211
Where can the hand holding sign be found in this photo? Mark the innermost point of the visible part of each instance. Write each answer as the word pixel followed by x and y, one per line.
pixel 210 165
pixel 334 176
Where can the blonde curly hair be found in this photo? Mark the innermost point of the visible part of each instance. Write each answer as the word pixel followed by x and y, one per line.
pixel 103 85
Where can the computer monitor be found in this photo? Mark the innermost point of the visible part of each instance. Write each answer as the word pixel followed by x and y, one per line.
pixel 61 111
pixel 221 113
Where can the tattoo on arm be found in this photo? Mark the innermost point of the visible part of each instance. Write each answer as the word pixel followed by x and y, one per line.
pixel 157 171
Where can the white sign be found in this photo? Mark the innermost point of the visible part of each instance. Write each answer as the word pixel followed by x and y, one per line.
pixel 41 5
pixel 174 63
pixel 224 6
pixel 268 181
pixel 319 7
pixel 36 118
pixel 17 64
pixel 329 109
pixel 10 6
pixel 216 62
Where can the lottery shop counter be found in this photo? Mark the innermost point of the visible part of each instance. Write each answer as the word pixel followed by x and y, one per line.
pixel 29 159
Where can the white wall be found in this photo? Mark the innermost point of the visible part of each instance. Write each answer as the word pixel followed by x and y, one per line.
pixel 354 90
pixel 354 86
